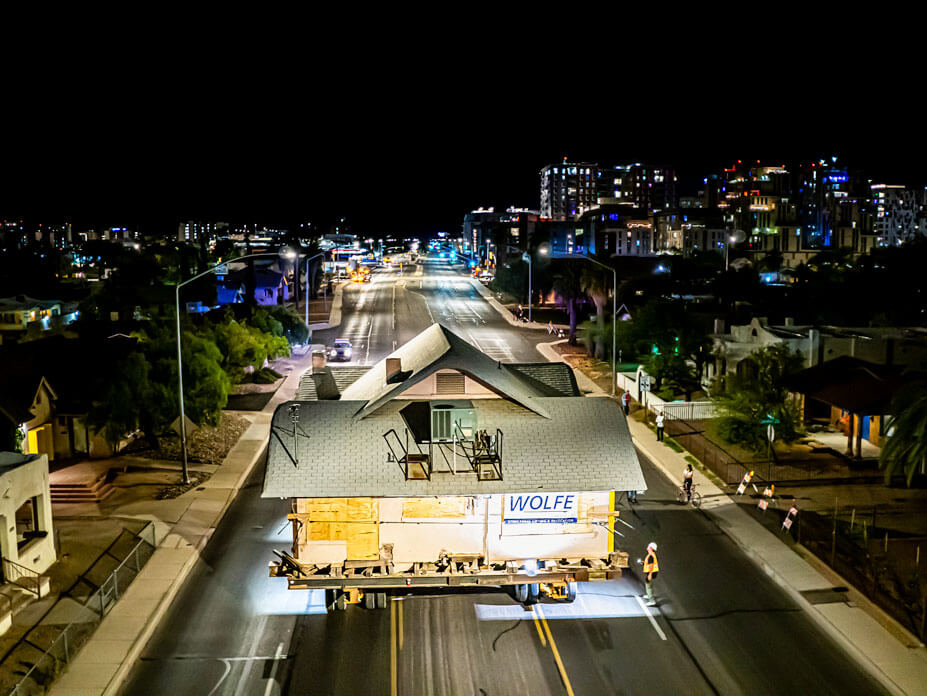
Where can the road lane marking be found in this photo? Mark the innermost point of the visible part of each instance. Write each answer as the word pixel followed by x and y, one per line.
pixel 537 625
pixel 653 621
pixel 553 647
pixel 270 679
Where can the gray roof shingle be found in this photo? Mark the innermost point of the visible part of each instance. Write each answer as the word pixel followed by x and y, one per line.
pixel 585 445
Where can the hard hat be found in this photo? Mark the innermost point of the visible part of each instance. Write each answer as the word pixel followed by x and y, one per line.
pixel 652 546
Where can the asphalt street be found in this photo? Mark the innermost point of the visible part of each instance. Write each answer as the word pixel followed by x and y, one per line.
pixel 721 625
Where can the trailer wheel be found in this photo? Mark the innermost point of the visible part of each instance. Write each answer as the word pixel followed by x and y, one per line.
pixel 534 591
pixel 341 601
pixel 330 596
pixel 370 600
pixel 381 600
pixel 521 593
pixel 569 593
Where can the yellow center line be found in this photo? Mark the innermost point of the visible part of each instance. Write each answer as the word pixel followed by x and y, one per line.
pixel 553 647
pixel 393 672
pixel 537 625
pixel 400 625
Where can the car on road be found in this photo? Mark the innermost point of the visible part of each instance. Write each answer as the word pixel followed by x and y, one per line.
pixel 341 350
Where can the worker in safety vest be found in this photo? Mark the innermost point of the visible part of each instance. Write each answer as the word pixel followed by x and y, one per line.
pixel 651 568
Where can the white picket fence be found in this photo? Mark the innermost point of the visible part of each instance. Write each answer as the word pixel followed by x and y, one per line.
pixel 681 410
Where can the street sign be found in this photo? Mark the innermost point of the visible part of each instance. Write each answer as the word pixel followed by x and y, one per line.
pixel 770 432
pixel 221 269
pixel 191 426
pixel 645 383
pixel 525 257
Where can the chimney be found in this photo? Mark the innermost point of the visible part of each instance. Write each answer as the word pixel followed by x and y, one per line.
pixel 719 326
pixel 393 368
pixel 790 321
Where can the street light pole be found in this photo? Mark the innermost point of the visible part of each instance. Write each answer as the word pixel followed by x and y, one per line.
pixel 183 422
pixel 321 253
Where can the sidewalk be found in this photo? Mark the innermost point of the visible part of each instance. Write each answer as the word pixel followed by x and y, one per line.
pixel 185 525
pixel 877 642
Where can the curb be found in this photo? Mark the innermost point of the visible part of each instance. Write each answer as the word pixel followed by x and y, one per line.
pixel 334 314
pixel 506 314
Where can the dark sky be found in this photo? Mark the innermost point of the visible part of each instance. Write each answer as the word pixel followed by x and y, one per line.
pixel 405 144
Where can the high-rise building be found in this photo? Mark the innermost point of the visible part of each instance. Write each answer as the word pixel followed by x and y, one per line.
pixel 896 214
pixel 646 189
pixel 568 189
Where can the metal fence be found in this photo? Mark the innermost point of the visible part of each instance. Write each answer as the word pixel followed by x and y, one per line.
pixel 42 668
pixel 883 564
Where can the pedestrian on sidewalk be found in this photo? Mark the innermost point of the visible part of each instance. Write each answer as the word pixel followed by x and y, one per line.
pixel 626 402
pixel 660 426
pixel 651 569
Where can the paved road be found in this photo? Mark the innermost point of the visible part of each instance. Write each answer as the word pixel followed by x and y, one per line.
pixel 393 308
pixel 721 626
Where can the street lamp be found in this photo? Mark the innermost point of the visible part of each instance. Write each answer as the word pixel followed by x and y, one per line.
pixel 183 424
pixel 321 253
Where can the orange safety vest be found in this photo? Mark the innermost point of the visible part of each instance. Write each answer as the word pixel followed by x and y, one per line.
pixel 651 566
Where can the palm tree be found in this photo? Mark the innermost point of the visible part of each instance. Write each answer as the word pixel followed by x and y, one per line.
pixel 905 450
pixel 595 285
pixel 568 286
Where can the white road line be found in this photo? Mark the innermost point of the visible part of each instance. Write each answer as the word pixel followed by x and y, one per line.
pixel 653 621
pixel 270 679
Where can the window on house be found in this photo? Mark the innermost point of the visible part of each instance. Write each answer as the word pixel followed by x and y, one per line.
pixel 27 523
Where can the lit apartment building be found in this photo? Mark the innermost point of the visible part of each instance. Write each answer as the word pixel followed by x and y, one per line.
pixel 568 189
pixel 647 189
pixel 897 214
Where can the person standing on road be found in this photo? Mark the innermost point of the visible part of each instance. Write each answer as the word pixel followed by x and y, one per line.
pixel 651 569
pixel 626 402
pixel 687 475
pixel 660 426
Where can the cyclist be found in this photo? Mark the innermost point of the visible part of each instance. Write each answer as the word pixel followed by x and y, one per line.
pixel 687 475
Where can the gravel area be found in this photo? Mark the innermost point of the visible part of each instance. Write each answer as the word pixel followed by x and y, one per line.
pixel 205 445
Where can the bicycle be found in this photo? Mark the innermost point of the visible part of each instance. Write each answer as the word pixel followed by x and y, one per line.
pixel 694 497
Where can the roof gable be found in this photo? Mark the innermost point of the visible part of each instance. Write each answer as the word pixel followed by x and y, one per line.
pixel 436 349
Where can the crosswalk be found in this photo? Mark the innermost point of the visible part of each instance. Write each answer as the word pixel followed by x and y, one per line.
pixel 494 346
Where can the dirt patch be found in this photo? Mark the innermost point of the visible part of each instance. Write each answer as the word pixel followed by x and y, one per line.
pixel 175 490
pixel 578 358
pixel 206 445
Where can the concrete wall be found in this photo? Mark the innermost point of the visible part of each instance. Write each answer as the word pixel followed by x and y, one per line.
pixel 29 480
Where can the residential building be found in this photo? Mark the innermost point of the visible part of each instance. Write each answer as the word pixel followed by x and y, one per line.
pixel 568 189
pixel 647 189
pixel 897 212
pixel 19 314
pixel 26 527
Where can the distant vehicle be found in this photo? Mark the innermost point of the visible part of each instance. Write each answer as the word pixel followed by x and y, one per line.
pixel 341 350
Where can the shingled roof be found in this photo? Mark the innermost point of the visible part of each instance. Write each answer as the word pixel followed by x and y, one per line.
pixel 583 446
pixel 436 349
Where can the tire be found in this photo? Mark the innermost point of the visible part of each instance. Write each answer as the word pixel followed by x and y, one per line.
pixel 534 592
pixel 521 593
pixel 370 600
pixel 570 595
pixel 381 600
pixel 330 596
pixel 341 601
pixel 696 499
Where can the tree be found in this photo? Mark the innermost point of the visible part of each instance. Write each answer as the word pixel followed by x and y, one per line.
pixel 594 284
pixel 121 396
pixel 905 449
pixel 568 287
pixel 756 393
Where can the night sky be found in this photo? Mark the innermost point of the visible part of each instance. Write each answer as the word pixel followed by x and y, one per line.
pixel 398 147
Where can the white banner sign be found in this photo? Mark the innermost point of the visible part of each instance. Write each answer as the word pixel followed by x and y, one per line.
pixel 533 508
